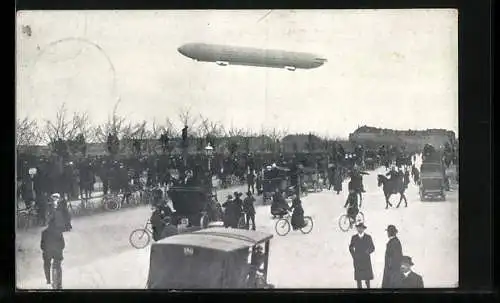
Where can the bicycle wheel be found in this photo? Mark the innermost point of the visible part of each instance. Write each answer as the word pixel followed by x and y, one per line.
pixel 360 217
pixel 344 223
pixel 139 238
pixel 309 225
pixel 204 221
pixel 282 227
pixel 111 204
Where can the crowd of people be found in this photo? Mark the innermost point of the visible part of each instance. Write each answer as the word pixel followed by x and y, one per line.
pixel 49 183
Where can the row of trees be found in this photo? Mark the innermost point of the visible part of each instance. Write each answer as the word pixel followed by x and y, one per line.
pixel 70 134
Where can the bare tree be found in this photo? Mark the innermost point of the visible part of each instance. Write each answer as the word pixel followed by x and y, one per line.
pixel 208 127
pixel 27 132
pixel 61 128
pixel 187 118
pixel 275 135
pixel 116 124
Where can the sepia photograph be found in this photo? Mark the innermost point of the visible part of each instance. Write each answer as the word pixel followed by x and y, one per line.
pixel 237 149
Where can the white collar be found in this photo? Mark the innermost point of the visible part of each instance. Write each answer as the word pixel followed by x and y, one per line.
pixel 407 274
pixel 361 235
pixel 390 238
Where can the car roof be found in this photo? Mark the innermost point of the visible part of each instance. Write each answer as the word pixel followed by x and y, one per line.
pixel 216 238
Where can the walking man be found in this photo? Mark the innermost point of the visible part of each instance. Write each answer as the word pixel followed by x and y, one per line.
pixel 249 210
pixel 360 248
pixel 393 256
pixel 52 246
pixel 251 181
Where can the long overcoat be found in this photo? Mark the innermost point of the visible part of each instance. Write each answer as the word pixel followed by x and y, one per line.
pixel 337 179
pixel 393 255
pixel 360 249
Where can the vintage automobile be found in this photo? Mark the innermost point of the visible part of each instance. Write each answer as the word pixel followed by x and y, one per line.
pixel 212 258
pixel 432 181
pixel 194 206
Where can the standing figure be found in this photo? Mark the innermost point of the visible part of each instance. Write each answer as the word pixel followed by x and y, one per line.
pixel 408 278
pixel 360 248
pixel 52 245
pixel 249 210
pixel 251 181
pixel 337 179
pixel 415 174
pixel 393 256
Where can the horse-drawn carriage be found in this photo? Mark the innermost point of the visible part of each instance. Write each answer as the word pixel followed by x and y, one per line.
pixel 372 160
pixel 275 179
pixel 311 180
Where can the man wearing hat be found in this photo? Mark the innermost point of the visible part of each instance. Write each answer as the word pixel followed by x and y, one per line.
pixel 360 248
pixel 408 278
pixel 52 245
pixel 393 256
pixel 249 210
pixel 228 205
pixel 58 210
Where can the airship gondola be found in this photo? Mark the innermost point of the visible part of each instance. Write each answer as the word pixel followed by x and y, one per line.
pixel 224 55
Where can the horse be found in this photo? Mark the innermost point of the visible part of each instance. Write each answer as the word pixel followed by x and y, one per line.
pixel 390 187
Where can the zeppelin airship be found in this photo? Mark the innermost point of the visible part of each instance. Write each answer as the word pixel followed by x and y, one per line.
pixel 224 55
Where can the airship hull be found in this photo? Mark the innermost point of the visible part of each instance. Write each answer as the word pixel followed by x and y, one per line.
pixel 232 55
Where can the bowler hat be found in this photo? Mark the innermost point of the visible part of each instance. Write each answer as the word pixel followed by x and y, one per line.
pixel 406 260
pixel 361 224
pixel 391 228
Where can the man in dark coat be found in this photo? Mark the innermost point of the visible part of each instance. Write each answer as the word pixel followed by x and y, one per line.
pixel 52 245
pixel 337 179
pixel 251 181
pixel 408 278
pixel 393 255
pixel 360 248
pixel 249 210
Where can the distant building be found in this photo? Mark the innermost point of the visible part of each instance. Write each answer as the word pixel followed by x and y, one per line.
pixel 412 139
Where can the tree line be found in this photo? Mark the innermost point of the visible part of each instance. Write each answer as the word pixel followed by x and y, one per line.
pixel 71 133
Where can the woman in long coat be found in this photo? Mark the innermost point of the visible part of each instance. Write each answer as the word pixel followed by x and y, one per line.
pixel 337 179
pixel 360 248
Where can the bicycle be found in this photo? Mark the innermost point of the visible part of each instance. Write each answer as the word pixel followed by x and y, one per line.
pixel 346 222
pixel 140 233
pixel 111 202
pixel 144 234
pixel 283 225
pixel 26 218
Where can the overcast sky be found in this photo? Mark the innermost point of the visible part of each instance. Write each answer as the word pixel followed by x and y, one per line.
pixel 386 68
